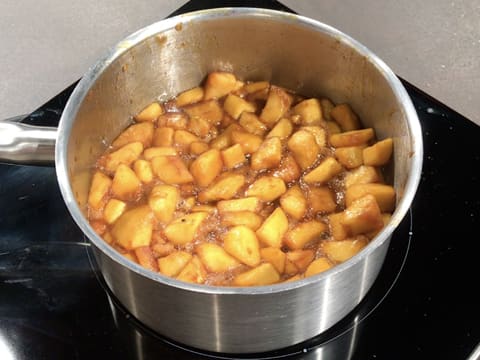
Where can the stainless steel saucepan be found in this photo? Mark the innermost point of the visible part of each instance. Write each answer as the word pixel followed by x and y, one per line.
pixel 175 54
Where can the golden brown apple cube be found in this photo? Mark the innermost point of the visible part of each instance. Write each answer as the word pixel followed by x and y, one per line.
pixel 293 278
pixel 143 170
pixel 352 138
pixel 294 203
pixel 350 156
pixel 273 228
pixel 193 272
pixel 288 170
pixel 303 233
pixel 345 117
pixel 146 258
pixel 163 201
pixel 206 167
pixel 224 140
pixel 385 218
pixel 134 228
pixel 384 195
pixel 234 106
pixel 333 127
pixel 337 229
pixel 233 156
pixel 155 151
pixel 340 251
pixel 245 218
pixel 183 230
pixel 264 274
pixel 204 208
pixel 321 199
pixel 171 170
pixel 362 216
pixel 278 103
pixel 98 190
pixel 163 136
pixel 183 139
pixel 317 266
pixel 174 120
pixel 274 256
pixel 301 258
pixel 327 107
pixel 282 129
pixel 214 258
pixel 125 184
pixel 150 113
pixel 363 175
pixel 241 242
pixel 198 147
pixel 310 112
pixel 113 210
pixel 251 123
pixel 318 133
pixel 304 148
pixel 249 142
pixel 290 267
pixel 172 264
pixel 244 204
pixel 199 126
pixel 324 172
pixel 219 84
pixel 127 154
pixel 267 188
pixel 142 132
pixel 190 96
pixel 226 187
pixel 379 153
pixel 268 155
pixel 255 86
pixel 208 110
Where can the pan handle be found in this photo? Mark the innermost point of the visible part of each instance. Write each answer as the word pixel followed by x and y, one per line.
pixel 26 144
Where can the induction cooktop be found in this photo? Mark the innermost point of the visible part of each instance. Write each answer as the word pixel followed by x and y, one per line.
pixel 55 305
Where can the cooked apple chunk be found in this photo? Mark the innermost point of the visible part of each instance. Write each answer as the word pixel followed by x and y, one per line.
pixel 324 172
pixel 234 106
pixel 301 259
pixel 233 156
pixel 207 110
pixel 163 136
pixel 274 256
pixel 282 129
pixel 340 251
pixel 304 148
pixel 193 272
pixel 310 112
pixel 363 175
pixel 249 142
pixel 267 188
pixel 155 151
pixel 146 258
pixel 288 170
pixel 127 154
pixel 303 233
pixel 278 103
pixel 362 216
pixel 273 228
pixel 350 156
pixel 241 242
pixel 206 167
pixel 113 210
pixel 345 117
pixel 183 230
pixel 264 274
pixel 143 170
pixel 250 122
pixel 98 190
pixel 321 199
pixel 172 264
pixel 190 96
pixel 171 170
pixel 384 195
pixel 219 84
pixel 226 187
pixel 134 228
pixel 215 258
pixel 268 155
pixel 125 184
pixel 150 113
pixel 163 201
pixel 379 153
pixel 245 218
pixel 294 203
pixel 142 132
pixel 317 266
pixel 352 138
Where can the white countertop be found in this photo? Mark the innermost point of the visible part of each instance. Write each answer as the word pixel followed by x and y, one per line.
pixel 47 45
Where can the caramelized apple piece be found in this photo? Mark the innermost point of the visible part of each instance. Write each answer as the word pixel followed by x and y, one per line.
pixel 219 84
pixel 303 233
pixel 172 264
pixel 264 274
pixel 340 251
pixel 294 203
pixel 268 155
pixel 143 170
pixel 300 258
pixel 379 153
pixel 241 242
pixel 318 133
pixel 274 256
pixel 310 112
pixel 321 199
pixel 249 142
pixel 288 170
pixel 350 156
pixel 244 204
pixel 234 106
pixel 282 129
pixel 245 218
pixel 125 184
pixel 150 113
pixel 113 210
pixel 214 258
pixel 304 148
pixel 163 201
pixel 171 170
pixel 317 266
pixel 142 132
pixel 352 138
pixel 155 151
pixel 267 188
pixel 233 156
pixel 193 272
pixel 206 167
pixel 127 154
pixel 324 172
pixel 278 103
pixel 363 175
pixel 226 187
pixel 345 117
pixel 251 123
pixel 134 228
pixel 98 189
pixel 163 136
pixel 208 110
pixel 183 230
pixel 145 258
pixel 190 96
pixel 384 195
pixel 273 228
pixel 362 216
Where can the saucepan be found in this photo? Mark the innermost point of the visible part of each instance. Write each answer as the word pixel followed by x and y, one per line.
pixel 172 55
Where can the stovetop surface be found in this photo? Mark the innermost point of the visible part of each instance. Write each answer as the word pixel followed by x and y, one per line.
pixel 54 304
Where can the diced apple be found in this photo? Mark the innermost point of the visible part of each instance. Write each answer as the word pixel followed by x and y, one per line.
pixel 152 152
pixel 199 126
pixel 303 233
pixel 208 110
pixel 352 138
pixel 190 96
pixel 174 120
pixel 249 142
pixel 98 190
pixel 127 154
pixel 384 195
pixel 340 251
pixel 321 199
pixel 225 188
pixel 206 167
pixel 172 264
pixel 337 229
pixel 267 188
pixel 234 106
pixel 143 170
pixel 171 170
pixel 251 123
pixel 142 132
pixel 198 147
pixel 333 127
pixel 183 230
pixel 282 129
pixel 163 136
pixel 264 274
pixel 278 103
pixel 245 218
pixel 274 256
pixel 273 228
pixel 255 86
pixel 233 156
pixel 363 175
pixel 125 184
pixel 324 172
pixel 350 156
pixel 150 113
pixel 268 155
pixel 310 111
pixel 241 242
pixel 163 201
pixel 318 133
pixel 327 107
pixel 113 210
pixel 345 117
pixel 294 203
pixel 288 170
pixel 317 266
pixel 362 216
pixel 183 139
pixel 304 148
pixel 214 258
pixel 300 258
pixel 219 84
pixel 224 140
pixel 244 204
pixel 146 258
pixel 134 228
pixel 379 153
pixel 193 272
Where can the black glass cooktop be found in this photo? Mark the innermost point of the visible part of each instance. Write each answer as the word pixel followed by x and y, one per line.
pixel 54 304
